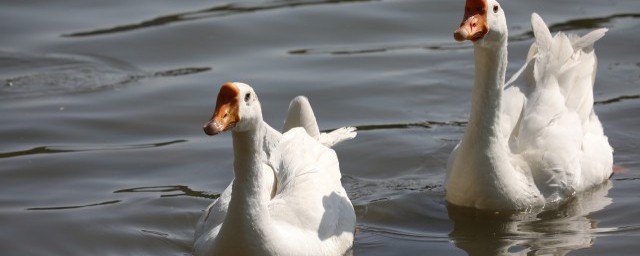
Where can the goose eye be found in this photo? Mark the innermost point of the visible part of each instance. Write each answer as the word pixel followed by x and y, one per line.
pixel 247 97
pixel 495 9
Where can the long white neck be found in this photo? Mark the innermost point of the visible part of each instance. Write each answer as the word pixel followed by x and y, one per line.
pixel 481 169
pixel 248 212
pixel 484 120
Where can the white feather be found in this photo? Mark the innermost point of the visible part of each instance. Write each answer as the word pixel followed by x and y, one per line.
pixel 549 141
pixel 286 198
pixel 300 114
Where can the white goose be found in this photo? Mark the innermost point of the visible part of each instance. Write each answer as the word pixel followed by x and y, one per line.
pixel 286 198
pixel 536 140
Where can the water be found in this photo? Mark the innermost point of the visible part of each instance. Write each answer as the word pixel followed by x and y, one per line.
pixel 102 104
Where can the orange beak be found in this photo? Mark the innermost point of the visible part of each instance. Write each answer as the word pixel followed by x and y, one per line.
pixel 474 24
pixel 226 114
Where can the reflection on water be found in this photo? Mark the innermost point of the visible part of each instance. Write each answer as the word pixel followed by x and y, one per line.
pixel 551 232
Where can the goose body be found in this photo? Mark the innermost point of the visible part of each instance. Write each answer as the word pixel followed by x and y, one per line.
pixel 286 197
pixel 536 140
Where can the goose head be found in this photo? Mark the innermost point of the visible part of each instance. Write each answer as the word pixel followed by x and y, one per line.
pixel 237 109
pixel 484 23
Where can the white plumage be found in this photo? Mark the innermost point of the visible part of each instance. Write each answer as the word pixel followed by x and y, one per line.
pixel 537 140
pixel 300 114
pixel 286 198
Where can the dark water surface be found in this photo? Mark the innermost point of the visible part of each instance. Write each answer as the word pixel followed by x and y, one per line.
pixel 102 103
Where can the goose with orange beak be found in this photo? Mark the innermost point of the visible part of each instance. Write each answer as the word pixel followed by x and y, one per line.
pixel 535 141
pixel 286 197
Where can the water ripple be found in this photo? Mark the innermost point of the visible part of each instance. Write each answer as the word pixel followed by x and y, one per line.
pixel 405 235
pixel 81 80
pixel 53 150
pixel 577 24
pixel 72 207
pixel 424 124
pixel 180 71
pixel 617 99
pixel 216 11
pixel 181 189
pixel 380 49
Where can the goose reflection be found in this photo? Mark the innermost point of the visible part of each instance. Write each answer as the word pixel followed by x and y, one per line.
pixel 550 232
